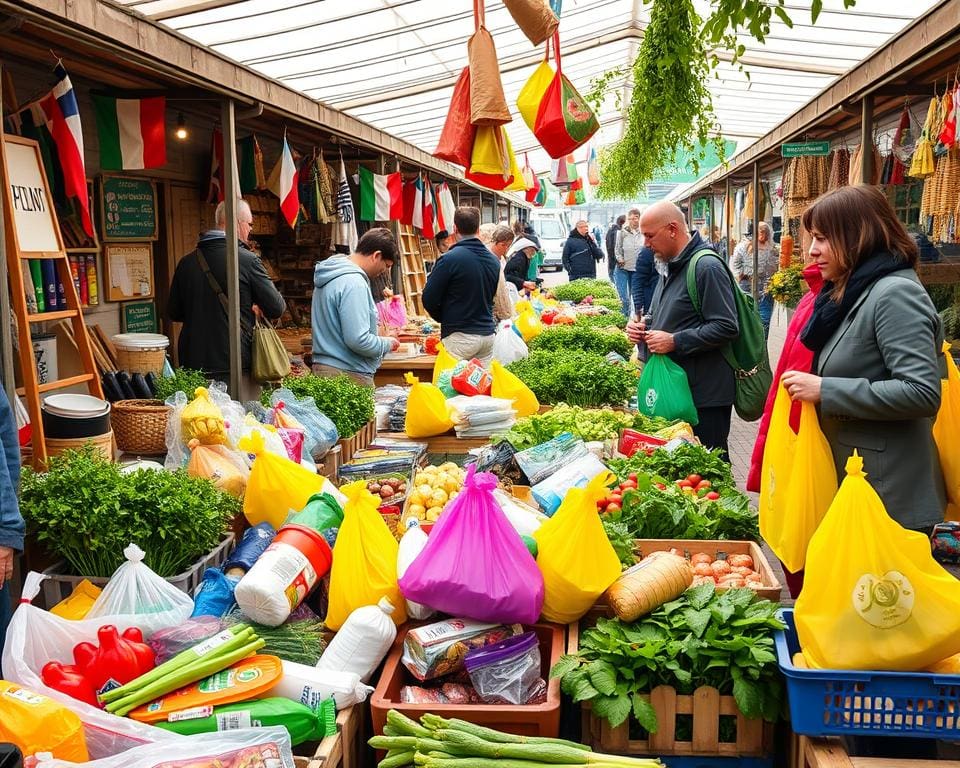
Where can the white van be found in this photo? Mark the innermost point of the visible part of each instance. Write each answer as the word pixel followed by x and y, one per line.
pixel 552 226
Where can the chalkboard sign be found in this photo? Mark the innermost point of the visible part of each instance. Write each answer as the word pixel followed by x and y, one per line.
pixel 128 209
pixel 140 317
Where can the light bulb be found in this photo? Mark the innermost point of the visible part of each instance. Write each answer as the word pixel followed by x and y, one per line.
pixel 181 133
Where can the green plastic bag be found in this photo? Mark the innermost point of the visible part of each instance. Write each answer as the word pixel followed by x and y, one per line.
pixel 664 391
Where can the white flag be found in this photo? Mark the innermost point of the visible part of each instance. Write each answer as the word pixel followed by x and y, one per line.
pixel 346 233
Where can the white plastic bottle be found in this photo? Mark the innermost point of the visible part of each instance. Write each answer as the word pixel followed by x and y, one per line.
pixel 411 544
pixel 362 642
pixel 310 686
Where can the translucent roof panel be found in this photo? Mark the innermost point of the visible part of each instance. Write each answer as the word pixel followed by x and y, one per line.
pixel 393 63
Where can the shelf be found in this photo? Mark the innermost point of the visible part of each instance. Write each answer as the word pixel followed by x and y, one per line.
pixel 60 314
pixel 82 250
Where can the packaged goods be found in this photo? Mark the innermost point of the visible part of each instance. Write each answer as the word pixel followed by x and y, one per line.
pixel 320 433
pixel 310 686
pixel 362 642
pixel 507 672
pixel 448 693
pixel 411 544
pixel 524 518
pixel 34 723
pixel 438 649
pixel 214 596
pixel 472 380
pixel 77 604
pixel 444 362
pixel 254 542
pixel 543 460
pixel 649 584
pixel 202 419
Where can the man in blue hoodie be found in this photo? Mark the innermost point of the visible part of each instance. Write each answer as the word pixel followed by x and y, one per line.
pixel 11 523
pixel 344 317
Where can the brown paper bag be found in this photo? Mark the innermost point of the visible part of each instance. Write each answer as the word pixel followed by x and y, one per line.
pixel 534 18
pixel 488 104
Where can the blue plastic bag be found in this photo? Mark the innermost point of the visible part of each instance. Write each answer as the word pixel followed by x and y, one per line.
pixel 253 544
pixel 215 594
pixel 320 433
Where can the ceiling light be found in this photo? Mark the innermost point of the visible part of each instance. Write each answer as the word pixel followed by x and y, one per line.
pixel 181 132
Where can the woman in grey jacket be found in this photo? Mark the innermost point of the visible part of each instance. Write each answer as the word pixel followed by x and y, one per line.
pixel 876 339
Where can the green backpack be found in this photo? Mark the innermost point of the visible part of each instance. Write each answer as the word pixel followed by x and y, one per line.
pixel 747 354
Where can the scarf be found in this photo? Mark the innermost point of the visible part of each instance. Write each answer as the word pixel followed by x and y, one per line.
pixel 829 314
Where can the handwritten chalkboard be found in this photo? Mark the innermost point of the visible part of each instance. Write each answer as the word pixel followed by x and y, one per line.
pixel 128 209
pixel 139 317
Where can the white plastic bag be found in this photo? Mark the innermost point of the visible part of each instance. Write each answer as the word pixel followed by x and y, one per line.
pixel 362 642
pixel 245 746
pixel 36 637
pixel 310 686
pixel 411 544
pixel 508 347
pixel 135 590
pixel 524 519
pixel 550 492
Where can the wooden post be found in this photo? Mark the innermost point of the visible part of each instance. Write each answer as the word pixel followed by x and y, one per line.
pixel 726 215
pixel 395 282
pixel 233 249
pixel 6 333
pixel 754 285
pixel 866 139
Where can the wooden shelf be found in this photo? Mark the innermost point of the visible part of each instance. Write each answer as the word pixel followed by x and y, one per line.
pixel 41 317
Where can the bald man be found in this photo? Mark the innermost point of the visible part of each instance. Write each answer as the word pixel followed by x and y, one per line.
pixel 694 340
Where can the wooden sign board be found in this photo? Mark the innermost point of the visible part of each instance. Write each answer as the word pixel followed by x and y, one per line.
pixel 128 209
pixel 139 317
pixel 34 220
pixel 805 149
pixel 128 271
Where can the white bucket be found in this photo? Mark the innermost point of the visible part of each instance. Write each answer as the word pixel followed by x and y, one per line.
pixel 45 353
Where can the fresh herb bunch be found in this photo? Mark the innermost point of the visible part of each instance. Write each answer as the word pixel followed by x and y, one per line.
pixel 606 320
pixel 560 337
pixel 578 290
pixel 622 541
pixel 586 423
pixel 684 460
pixel 787 285
pixel 298 641
pixel 613 305
pixel 575 377
pixel 347 404
pixel 86 511
pixel 700 639
pixel 184 380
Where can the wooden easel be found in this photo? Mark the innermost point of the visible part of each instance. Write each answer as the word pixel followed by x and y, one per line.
pixel 42 241
pixel 413 272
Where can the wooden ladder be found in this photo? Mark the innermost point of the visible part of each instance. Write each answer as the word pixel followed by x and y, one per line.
pixel 17 258
pixel 413 271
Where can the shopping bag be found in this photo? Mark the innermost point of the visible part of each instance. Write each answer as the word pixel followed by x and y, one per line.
pixel 457 136
pixel 945 431
pixel 509 387
pixel 873 596
pixel 392 313
pixel 574 555
pixel 270 361
pixel 493 164
pixel 364 559
pixel 534 18
pixel 564 120
pixel 226 469
pixel 320 433
pixel 797 482
pixel 427 411
pixel 528 325
pixel 444 362
pixel 488 105
pixel 664 391
pixel 508 347
pixel 475 564
pixel 532 93
pixel 517 181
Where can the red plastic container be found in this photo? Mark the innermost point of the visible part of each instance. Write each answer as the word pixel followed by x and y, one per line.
pixel 632 441
pixel 310 543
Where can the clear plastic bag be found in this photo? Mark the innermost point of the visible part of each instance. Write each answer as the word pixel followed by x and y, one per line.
pixel 508 346
pixel 321 434
pixel 178 454
pixel 225 468
pixel 136 590
pixel 508 672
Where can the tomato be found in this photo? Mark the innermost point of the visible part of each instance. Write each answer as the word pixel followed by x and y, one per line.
pixel 684 483
pixel 694 479
pixel 701 557
pixel 712 496
pixel 613 507
pixel 734 583
pixel 615 498
pixel 602 503
pixel 741 560
pixel 661 487
pixel 702 569
pixel 627 484
pixel 703 484
pixel 720 567
pixel 633 476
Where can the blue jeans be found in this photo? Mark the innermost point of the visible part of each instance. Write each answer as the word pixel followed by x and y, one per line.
pixel 766 312
pixel 622 279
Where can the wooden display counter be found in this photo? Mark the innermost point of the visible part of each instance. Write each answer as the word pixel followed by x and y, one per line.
pixel 392 369
pixel 446 443
pixel 811 752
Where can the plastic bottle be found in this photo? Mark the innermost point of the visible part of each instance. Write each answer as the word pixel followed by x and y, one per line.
pixel 362 642
pixel 310 686
pixel 411 544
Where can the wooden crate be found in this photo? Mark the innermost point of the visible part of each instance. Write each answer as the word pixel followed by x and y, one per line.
pixel 330 466
pixel 706 705
pixel 357 442
pixel 830 753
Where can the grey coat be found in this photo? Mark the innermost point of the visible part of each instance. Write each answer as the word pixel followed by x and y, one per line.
pixel 880 394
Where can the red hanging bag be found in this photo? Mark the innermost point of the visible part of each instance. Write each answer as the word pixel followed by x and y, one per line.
pixel 564 120
pixel 456 139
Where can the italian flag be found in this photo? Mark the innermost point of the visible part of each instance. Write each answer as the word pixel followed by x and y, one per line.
pixel 132 132
pixel 381 197
pixel 287 186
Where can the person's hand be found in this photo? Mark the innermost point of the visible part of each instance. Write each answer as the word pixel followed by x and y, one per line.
pixel 636 330
pixel 394 343
pixel 660 342
pixel 620 262
pixel 6 565
pixel 802 386
pixel 529 285
pixel 387 293
pixel 257 312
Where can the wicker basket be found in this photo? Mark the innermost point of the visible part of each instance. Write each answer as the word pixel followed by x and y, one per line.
pixel 140 360
pixel 141 426
pixel 103 443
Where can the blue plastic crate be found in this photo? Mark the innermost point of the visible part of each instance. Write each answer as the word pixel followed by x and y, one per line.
pixel 859 703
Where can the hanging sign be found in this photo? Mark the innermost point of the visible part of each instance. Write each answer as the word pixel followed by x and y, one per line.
pixel 129 209
pixel 805 149
pixel 139 317
pixel 33 216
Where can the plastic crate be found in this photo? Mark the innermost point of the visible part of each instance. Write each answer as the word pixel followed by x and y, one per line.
pixel 57 585
pixel 865 703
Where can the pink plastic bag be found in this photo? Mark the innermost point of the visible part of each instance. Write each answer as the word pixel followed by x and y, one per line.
pixel 392 312
pixel 475 564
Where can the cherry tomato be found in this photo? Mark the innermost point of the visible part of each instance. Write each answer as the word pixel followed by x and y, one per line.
pixel 712 496
pixel 611 508
pixel 628 484
pixel 694 479
pixel 661 487
pixel 633 476
pixel 684 483
pixel 703 484
pixel 615 498
pixel 602 503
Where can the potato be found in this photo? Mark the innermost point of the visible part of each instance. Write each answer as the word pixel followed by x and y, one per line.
pixel 701 557
pixel 720 567
pixel 703 569
pixel 373 487
pixel 744 561
pixel 386 492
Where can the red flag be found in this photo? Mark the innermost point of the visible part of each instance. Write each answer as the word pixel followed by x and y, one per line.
pixel 216 184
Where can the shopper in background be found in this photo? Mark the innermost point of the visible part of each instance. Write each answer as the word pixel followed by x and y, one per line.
pixel 644 281
pixel 581 254
pixel 460 289
pixel 522 252
pixel 11 523
pixel 876 339
pixel 611 246
pixel 628 247
pixel 488 234
pixel 768 262
pixel 597 233
pixel 198 282
pixel 443 241
pixel 692 339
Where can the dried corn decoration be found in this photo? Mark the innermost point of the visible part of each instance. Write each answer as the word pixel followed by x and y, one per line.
pixel 922 165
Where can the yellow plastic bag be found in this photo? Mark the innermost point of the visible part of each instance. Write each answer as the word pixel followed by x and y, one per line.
pixel 364 560
pixel 35 723
pixel 873 596
pixel 490 152
pixel 518 184
pixel 507 386
pixel 530 96
pixel 218 464
pixel 574 555
pixel 529 325
pixel 797 483
pixel 78 603
pixel 522 306
pixel 427 410
pixel 444 362
pixel 202 419
pixel 945 431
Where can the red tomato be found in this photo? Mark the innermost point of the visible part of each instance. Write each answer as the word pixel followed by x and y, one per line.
pixel 703 484
pixel 601 503
pixel 626 484
pixel 712 496
pixel 613 507
pixel 615 498
pixel 701 557
pixel 694 479
pixel 661 487
pixel 684 483
pixel 632 476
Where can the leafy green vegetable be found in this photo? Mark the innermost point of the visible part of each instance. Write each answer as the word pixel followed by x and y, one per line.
pixel 86 511
pixel 578 290
pixel 684 460
pixel 184 380
pixel 298 641
pixel 700 639
pixel 613 305
pixel 575 377
pixel 620 538
pixel 347 404
pixel 559 337
pixel 606 320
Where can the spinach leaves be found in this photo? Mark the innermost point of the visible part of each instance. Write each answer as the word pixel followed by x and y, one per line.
pixel 347 404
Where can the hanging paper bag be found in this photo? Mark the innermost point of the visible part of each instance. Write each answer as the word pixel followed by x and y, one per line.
pixel 444 362
pixel 427 411
pixel 488 105
pixel 564 120
pixel 534 18
pixel 873 596
pixel 945 431
pixel 664 391
pixel 508 386
pixel 797 482
pixel 530 96
pixel 457 136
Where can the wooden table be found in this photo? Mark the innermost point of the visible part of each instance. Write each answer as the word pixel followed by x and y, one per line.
pixel 830 753
pixel 392 369
pixel 446 443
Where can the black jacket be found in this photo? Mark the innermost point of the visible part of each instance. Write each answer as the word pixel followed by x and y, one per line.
pixel 205 337
pixel 516 269
pixel 644 280
pixel 460 289
pixel 611 244
pixel 580 256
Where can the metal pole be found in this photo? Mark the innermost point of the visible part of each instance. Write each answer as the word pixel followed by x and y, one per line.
pixel 726 215
pixel 754 286
pixel 6 334
pixel 866 139
pixel 233 247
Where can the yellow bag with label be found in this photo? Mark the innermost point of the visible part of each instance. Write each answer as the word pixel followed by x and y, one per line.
pixel 34 723
pixel 202 419
pixel 444 362
pixel 873 596
pixel 364 560
pixel 574 554
pixel 797 483
pixel 945 431
pixel 508 386
pixel 529 325
pixel 427 410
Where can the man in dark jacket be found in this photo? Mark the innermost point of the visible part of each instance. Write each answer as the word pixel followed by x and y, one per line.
pixel 643 281
pixel 693 340
pixel 460 289
pixel 194 301
pixel 581 253
pixel 611 244
pixel 11 523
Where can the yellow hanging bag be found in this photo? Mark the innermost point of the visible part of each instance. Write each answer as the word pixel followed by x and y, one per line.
pixel 530 96
pixel 529 325
pixel 945 432
pixel 507 386
pixel 364 560
pixel 427 410
pixel 202 419
pixel 873 596
pixel 574 554
pixel 797 483
pixel 444 362
pixel 518 184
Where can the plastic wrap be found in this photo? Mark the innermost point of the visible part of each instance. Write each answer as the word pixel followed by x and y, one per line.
pixel 541 461
pixel 168 642
pixel 214 596
pixel 438 649
pixel 253 544
pixel 320 433
pixel 232 413
pixel 508 346
pixel 508 672
pixel 222 466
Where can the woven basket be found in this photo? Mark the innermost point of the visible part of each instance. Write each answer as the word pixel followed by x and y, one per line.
pixel 141 426
pixel 141 360
pixel 103 443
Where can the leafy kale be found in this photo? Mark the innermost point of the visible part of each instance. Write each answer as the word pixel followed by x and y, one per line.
pixel 578 290
pixel 347 404
pixel 560 337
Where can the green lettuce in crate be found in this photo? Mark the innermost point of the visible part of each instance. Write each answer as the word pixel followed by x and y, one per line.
pixel 347 404
pixel 575 377
pixel 578 290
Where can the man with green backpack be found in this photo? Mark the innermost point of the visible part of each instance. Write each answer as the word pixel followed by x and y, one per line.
pixel 704 323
